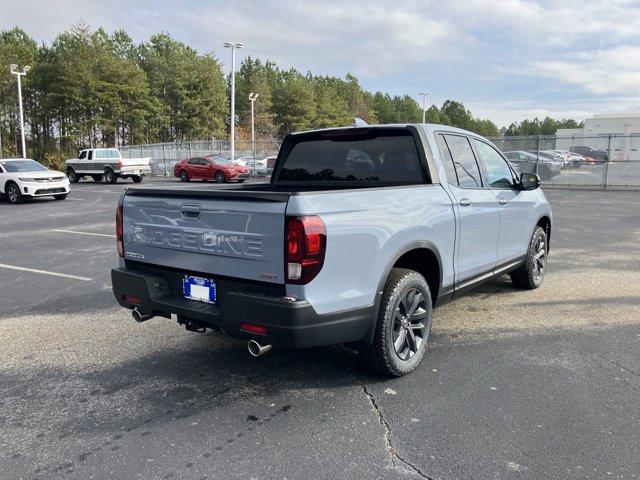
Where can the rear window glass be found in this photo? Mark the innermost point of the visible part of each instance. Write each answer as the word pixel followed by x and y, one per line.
pixel 107 153
pixel 374 157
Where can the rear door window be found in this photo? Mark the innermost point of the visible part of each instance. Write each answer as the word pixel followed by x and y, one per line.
pixel 389 156
pixel 445 154
pixel 464 161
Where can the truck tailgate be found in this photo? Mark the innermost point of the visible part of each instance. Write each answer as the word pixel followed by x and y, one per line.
pixel 216 233
pixel 135 162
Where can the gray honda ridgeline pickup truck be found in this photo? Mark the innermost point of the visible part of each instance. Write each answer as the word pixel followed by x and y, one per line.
pixel 358 235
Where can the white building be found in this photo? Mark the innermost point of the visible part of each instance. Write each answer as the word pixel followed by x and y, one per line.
pixel 624 129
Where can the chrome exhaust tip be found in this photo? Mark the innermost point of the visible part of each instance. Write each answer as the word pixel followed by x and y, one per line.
pixel 140 317
pixel 256 348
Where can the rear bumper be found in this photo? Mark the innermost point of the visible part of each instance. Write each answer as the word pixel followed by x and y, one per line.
pixel 129 171
pixel 289 323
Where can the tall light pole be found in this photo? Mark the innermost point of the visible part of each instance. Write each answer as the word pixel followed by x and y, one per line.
pixel 233 46
pixel 252 98
pixel 19 74
pixel 424 105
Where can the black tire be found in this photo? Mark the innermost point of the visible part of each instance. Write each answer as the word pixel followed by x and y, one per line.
pixel 97 178
pixel 393 352
pixel 12 191
pixel 184 176
pixel 241 180
pixel 530 275
pixel 136 179
pixel 110 176
pixel 61 196
pixel 219 177
pixel 72 175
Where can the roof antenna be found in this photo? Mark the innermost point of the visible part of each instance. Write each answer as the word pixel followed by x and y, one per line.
pixel 358 122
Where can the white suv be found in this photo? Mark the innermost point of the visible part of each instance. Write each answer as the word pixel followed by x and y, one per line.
pixel 24 178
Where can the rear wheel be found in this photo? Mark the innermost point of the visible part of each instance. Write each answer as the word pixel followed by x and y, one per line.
pixel 72 175
pixel 184 176
pixel 529 276
pixel 136 179
pixel 110 176
pixel 219 177
pixel 13 193
pixel 403 324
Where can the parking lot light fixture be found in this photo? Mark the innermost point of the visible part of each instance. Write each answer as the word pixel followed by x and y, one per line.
pixel 424 105
pixel 233 46
pixel 19 73
pixel 252 98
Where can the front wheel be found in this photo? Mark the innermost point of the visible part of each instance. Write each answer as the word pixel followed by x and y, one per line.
pixel 403 324
pixel 529 276
pixel 219 177
pixel 184 176
pixel 110 176
pixel 136 179
pixel 13 193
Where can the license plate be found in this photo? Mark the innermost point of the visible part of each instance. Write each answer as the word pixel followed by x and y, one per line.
pixel 198 288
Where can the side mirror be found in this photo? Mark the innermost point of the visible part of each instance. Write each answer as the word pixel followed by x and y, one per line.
pixel 529 181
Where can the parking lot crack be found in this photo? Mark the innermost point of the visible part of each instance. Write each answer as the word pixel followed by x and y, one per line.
pixel 396 460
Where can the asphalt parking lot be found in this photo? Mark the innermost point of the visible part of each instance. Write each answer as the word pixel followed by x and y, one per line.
pixel 542 384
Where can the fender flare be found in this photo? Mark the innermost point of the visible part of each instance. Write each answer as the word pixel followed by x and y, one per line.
pixel 418 244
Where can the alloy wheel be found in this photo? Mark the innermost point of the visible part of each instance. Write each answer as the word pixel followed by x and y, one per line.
pixel 539 258
pixel 409 330
pixel 12 193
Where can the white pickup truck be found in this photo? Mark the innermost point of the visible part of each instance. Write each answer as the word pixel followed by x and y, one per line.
pixel 107 163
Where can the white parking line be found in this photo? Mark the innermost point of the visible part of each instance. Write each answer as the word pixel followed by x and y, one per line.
pixel 59 230
pixel 44 272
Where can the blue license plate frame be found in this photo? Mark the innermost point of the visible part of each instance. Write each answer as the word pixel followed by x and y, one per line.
pixel 199 289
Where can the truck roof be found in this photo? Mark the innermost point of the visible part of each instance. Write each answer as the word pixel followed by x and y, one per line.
pixel 429 127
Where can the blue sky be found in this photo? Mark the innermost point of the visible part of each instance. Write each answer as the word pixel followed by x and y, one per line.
pixel 506 60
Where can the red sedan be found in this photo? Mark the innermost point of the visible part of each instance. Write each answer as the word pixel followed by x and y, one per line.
pixel 207 168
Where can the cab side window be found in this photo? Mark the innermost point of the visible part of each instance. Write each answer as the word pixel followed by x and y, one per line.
pixel 464 161
pixel 499 175
pixel 449 167
pixel 83 155
pixel 193 161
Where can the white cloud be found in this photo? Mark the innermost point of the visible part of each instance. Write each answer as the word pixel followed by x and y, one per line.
pixel 607 71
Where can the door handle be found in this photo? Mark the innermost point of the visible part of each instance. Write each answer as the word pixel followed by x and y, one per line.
pixel 464 202
pixel 503 202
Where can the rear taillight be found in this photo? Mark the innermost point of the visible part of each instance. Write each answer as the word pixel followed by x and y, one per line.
pixel 119 235
pixel 305 245
pixel 119 164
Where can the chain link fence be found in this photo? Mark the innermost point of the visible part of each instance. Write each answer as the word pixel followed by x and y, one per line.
pixel 164 156
pixel 600 161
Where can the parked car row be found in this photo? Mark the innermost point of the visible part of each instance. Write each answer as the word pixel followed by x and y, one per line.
pixel 528 162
